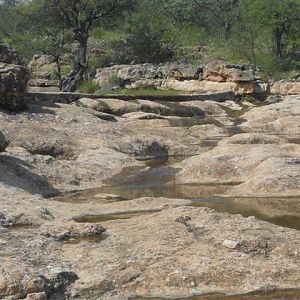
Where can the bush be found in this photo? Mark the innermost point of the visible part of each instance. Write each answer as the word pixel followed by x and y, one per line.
pixel 88 87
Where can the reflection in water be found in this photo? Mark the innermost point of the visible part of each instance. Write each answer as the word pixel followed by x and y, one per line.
pixel 280 211
pixel 157 179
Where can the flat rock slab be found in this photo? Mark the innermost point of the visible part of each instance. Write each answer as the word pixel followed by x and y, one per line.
pixel 183 251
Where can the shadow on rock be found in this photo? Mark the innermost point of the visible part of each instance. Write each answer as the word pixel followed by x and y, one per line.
pixel 14 172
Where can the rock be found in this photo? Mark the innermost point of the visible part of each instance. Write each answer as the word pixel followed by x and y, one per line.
pixel 13 80
pixel 187 72
pixel 208 131
pixel 73 232
pixel 179 252
pixel 42 71
pixel 195 86
pixel 146 75
pixel 220 71
pixel 274 177
pixel 210 108
pixel 145 84
pixel 105 117
pixel 160 108
pixel 118 107
pixel 16 173
pixel 144 147
pixel 285 88
pixel 229 89
pixel 230 163
pixel 129 73
pixel 9 55
pixel 3 142
pixel 142 116
pixel 92 104
pixel 230 244
pixel 252 139
pixel 37 296
pixel 39 139
pixel 107 196
pixel 272 118
pixel 274 99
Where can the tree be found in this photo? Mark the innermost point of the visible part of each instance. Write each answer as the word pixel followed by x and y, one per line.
pixel 80 16
pixel 280 18
pixel 218 15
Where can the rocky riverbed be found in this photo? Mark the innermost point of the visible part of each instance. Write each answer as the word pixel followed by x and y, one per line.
pixel 112 199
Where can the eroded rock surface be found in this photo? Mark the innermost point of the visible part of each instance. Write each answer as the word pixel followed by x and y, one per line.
pixel 13 80
pixel 102 244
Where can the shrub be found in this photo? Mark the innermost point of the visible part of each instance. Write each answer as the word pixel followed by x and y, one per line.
pixel 88 87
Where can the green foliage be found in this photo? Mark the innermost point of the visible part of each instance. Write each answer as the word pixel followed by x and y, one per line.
pixel 88 87
pixel 114 80
pixel 144 92
pixel 264 33
pixel 149 36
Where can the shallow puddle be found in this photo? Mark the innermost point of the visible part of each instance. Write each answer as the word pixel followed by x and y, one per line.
pixel 284 212
pixel 156 179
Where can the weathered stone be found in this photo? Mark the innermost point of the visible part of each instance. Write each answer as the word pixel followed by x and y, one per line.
pixel 3 142
pixel 74 231
pixel 231 163
pixel 274 177
pixel 150 248
pixel 146 75
pixel 273 99
pixel 13 80
pixel 187 72
pixel 92 104
pixel 37 296
pixel 220 71
pixel 211 87
pixel 282 117
pixel 43 71
pixel 285 88
pixel 118 107
pixel 210 108
pixel 230 244
pixel 9 55
pixel 252 139
pixel 142 116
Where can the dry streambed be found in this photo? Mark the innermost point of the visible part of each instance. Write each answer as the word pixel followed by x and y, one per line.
pixel 139 182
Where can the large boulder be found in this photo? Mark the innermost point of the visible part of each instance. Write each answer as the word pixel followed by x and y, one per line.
pixel 13 80
pixel 42 69
pixel 9 56
pixel 215 87
pixel 220 71
pixel 285 88
pixel 279 118
pixel 275 177
pixel 129 74
pixel 232 162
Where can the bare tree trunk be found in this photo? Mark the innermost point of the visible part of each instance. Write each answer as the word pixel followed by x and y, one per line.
pixel 71 83
pixel 58 68
pixel 278 35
